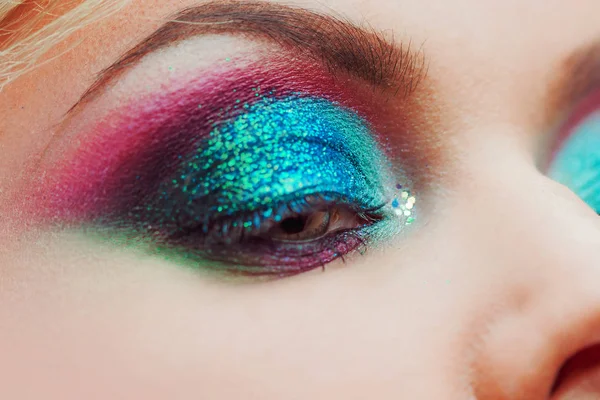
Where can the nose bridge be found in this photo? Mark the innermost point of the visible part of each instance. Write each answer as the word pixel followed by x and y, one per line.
pixel 526 217
pixel 543 245
pixel 541 228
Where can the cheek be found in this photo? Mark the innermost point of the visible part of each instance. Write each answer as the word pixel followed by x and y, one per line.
pixel 117 319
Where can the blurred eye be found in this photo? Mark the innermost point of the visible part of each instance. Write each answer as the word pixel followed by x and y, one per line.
pixel 576 160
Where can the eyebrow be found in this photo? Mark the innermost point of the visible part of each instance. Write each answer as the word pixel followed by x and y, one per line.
pixel 578 77
pixel 339 44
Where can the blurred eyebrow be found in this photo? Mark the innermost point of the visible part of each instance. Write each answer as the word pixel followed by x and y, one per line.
pixel 338 44
pixel 579 76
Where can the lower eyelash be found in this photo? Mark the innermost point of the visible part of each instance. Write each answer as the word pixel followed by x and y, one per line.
pixel 249 253
pixel 269 259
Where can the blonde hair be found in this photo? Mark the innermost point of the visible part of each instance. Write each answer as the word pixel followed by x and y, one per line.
pixel 28 29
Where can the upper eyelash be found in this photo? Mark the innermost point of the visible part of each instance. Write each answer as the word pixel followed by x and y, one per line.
pixel 252 223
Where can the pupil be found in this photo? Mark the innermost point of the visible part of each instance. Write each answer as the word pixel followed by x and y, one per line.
pixel 293 225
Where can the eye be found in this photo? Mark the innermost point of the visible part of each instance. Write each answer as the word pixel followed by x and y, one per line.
pixel 302 227
pixel 576 160
pixel 314 225
pixel 285 185
pixel 250 179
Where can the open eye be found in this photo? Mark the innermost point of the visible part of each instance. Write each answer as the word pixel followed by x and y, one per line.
pixel 251 177
pixel 302 227
pixel 314 225
pixel 576 160
pixel 283 185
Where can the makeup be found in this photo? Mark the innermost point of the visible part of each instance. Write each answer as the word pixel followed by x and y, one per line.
pixel 277 147
pixel 213 169
pixel 576 160
pixel 159 129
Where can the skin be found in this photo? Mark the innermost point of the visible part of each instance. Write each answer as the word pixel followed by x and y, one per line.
pixel 486 298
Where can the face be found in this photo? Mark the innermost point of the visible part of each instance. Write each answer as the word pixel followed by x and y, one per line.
pixel 341 199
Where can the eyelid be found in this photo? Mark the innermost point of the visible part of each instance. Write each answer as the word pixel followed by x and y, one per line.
pixel 576 157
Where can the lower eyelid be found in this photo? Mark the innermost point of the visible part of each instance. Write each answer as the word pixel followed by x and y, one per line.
pixel 262 259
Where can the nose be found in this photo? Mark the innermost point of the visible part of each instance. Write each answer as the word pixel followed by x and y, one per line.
pixel 542 253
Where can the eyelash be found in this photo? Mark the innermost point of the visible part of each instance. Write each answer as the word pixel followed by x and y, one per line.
pixel 248 234
pixel 258 222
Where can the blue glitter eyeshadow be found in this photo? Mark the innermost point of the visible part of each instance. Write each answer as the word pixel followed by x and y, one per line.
pixel 272 156
pixel 577 164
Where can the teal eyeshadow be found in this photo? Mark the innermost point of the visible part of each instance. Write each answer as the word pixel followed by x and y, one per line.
pixel 577 163
pixel 260 160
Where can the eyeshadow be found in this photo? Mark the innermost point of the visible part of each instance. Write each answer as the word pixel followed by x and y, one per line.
pixel 277 150
pixel 128 153
pixel 577 162
pixel 580 112
pixel 209 170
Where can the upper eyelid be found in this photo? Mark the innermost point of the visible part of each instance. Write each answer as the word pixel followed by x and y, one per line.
pixel 340 45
